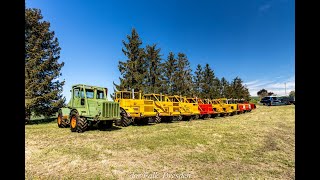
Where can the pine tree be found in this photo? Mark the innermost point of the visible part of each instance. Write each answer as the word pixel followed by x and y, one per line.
pixel 209 88
pixel 197 81
pixel 133 69
pixel 182 76
pixel 154 67
pixel 169 69
pixel 218 90
pixel 224 84
pixel 246 93
pixel 42 69
pixel 239 91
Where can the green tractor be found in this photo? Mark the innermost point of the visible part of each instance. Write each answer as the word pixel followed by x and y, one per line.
pixel 88 106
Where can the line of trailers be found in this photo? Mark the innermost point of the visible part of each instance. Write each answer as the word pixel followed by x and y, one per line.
pixel 89 106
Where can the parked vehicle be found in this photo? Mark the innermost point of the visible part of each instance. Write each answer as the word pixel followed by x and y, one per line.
pixel 88 106
pixel 272 101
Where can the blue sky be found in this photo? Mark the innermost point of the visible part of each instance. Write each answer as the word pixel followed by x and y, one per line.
pixel 252 39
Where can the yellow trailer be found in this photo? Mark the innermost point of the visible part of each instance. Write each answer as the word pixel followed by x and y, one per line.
pixel 218 107
pixel 166 110
pixel 134 107
pixel 187 110
pixel 233 106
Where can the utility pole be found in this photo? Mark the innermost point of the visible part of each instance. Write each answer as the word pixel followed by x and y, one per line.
pixel 285 89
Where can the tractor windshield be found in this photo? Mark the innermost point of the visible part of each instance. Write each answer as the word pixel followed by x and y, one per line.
pixel 89 93
pixel 100 94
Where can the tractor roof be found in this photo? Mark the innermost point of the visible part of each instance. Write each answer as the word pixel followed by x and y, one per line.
pixel 88 86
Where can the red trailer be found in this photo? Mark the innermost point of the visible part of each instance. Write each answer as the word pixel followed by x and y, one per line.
pixel 205 109
pixel 243 106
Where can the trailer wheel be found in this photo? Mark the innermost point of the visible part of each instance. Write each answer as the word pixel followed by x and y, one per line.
pixel 60 121
pixel 157 119
pixel 125 121
pixel 214 115
pixel 77 123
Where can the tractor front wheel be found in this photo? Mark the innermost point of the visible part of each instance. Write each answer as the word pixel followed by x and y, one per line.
pixel 77 124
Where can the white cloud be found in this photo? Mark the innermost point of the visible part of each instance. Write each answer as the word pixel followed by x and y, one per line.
pixel 252 82
pixel 278 87
pixel 264 7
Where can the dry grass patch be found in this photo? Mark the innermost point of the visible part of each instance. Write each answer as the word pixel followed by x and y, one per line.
pixel 258 145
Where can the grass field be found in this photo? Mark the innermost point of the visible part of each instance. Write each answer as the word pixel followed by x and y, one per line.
pixel 255 145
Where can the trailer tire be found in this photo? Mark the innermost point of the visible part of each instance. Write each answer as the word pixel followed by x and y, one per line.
pixel 157 119
pixel 125 121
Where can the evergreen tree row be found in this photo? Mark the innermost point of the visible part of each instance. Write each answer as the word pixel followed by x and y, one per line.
pixel 43 89
pixel 145 69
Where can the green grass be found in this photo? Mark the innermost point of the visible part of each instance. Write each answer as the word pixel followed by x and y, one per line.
pixel 258 145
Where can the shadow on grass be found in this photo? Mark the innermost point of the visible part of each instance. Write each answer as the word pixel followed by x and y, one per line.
pixel 95 128
pixel 149 124
pixel 40 121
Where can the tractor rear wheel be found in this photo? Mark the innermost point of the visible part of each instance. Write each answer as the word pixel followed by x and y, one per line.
pixel 77 124
pixel 60 121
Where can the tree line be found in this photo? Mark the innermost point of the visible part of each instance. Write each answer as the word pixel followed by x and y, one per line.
pixel 145 69
pixel 263 93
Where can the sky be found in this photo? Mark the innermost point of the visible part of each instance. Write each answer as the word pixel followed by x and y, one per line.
pixel 251 39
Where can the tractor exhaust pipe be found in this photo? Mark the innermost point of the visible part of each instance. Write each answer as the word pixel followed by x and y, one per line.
pixel 160 96
pixel 132 93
